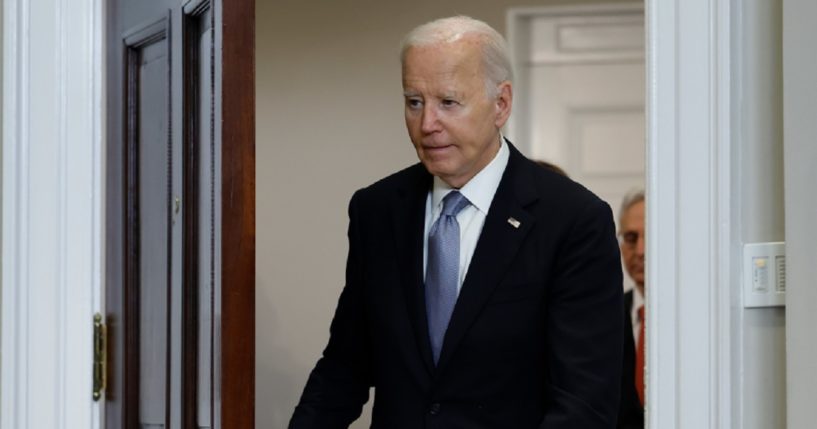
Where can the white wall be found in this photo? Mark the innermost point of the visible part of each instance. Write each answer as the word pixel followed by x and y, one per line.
pixel 329 121
pixel 759 381
pixel 800 130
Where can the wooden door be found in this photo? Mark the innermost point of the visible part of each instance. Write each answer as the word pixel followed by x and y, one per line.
pixel 180 211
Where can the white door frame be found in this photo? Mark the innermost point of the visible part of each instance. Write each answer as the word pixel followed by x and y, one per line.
pixel 690 248
pixel 52 211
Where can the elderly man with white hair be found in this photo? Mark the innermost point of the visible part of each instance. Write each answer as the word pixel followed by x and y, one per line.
pixel 631 232
pixel 482 291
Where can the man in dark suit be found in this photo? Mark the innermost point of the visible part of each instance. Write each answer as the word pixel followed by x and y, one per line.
pixel 631 232
pixel 482 291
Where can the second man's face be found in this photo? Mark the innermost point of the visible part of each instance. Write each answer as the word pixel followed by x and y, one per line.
pixel 632 242
pixel 452 122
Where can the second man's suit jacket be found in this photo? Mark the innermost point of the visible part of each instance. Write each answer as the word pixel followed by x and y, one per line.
pixel 631 412
pixel 535 339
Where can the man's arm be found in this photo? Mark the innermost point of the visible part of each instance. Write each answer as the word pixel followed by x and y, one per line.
pixel 339 385
pixel 584 325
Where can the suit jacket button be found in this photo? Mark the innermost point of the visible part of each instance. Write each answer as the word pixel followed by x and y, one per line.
pixel 434 409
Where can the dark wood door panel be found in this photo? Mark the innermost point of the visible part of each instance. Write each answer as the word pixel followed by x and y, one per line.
pixel 236 297
pixel 199 231
pixel 180 214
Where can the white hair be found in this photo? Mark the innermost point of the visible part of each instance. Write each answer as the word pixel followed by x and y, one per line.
pixel 496 60
pixel 632 198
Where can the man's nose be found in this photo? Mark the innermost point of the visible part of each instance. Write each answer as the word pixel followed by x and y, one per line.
pixel 429 122
pixel 640 244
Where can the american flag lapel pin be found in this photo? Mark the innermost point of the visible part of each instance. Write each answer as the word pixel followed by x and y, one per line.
pixel 514 223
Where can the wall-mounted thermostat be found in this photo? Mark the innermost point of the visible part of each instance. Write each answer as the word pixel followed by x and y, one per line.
pixel 764 274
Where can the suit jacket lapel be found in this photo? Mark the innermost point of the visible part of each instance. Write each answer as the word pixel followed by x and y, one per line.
pixel 409 228
pixel 496 249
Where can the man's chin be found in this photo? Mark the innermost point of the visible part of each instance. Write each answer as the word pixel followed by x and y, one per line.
pixel 438 168
pixel 452 180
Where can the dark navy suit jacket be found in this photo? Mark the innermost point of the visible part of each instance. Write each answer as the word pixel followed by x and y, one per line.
pixel 631 413
pixel 535 339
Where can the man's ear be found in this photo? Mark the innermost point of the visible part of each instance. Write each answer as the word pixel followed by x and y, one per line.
pixel 504 101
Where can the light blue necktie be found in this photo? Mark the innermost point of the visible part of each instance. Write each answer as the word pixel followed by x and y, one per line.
pixel 442 271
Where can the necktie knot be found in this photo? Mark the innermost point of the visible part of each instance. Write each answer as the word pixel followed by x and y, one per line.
pixel 453 203
pixel 641 313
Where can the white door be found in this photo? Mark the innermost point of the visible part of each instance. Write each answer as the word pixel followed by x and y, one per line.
pixel 579 99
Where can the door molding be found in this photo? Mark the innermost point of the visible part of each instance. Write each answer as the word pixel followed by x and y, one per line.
pixel 235 285
pixel 52 211
pixel 690 247
pixel 518 24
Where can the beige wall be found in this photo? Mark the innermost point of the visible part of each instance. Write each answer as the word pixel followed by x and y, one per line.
pixel 330 120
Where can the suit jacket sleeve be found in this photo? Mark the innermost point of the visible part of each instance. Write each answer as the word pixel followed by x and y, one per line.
pixel 584 325
pixel 339 385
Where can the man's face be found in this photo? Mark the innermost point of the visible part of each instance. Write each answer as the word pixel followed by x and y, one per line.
pixel 632 242
pixel 452 122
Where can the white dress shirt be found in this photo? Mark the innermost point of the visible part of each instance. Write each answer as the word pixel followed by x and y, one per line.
pixel 480 191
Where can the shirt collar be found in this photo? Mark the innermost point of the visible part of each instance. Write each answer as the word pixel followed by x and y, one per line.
pixel 481 188
pixel 638 298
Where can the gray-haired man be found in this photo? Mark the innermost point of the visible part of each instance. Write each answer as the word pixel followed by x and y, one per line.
pixel 482 291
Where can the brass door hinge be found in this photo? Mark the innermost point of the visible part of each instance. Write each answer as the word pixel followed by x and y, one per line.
pixel 100 356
